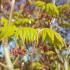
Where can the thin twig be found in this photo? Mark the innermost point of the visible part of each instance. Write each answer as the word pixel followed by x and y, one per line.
pixel 16 60
pixel 12 8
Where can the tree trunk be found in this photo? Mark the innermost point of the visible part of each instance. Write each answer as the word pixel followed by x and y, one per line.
pixel 65 65
pixel 7 54
pixel 5 41
pixel 57 66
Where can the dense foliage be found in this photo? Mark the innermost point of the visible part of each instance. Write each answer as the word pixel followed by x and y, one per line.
pixel 35 31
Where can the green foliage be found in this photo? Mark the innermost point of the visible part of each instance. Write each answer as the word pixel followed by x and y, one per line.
pixel 4 21
pixel 24 21
pixel 47 34
pixel 6 32
pixel 28 34
pixel 58 41
pixel 52 9
pixel 64 10
pixel 18 21
pixel 49 52
pixel 52 37
pixel 40 4
pixel 37 65
pixel 65 25
pixel 63 7
pixel 17 14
